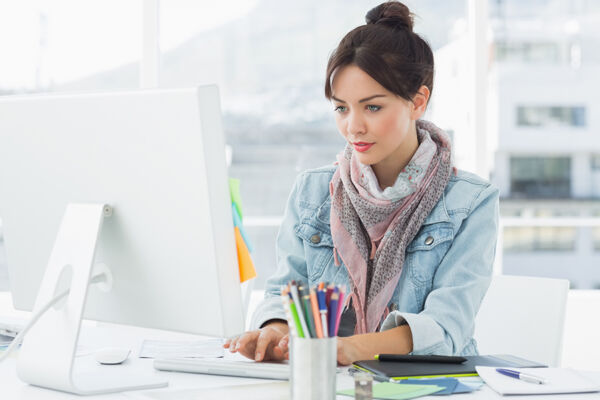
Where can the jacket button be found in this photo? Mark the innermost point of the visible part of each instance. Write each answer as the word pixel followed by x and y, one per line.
pixel 429 240
pixel 315 238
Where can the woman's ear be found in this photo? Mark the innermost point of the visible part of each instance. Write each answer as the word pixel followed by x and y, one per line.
pixel 420 100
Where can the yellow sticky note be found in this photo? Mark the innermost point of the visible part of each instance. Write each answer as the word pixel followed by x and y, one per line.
pixel 245 263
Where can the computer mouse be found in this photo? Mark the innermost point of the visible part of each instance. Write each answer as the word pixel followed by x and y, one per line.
pixel 112 355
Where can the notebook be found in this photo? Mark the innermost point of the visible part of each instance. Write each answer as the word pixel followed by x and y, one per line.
pixel 404 370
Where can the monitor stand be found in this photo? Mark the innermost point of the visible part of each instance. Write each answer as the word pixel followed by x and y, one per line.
pixel 48 352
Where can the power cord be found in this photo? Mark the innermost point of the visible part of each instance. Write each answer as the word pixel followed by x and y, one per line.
pixel 99 278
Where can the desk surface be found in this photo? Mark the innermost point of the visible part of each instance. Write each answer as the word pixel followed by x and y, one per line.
pixel 182 385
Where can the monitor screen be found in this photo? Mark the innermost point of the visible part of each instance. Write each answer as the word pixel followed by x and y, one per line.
pixel 157 157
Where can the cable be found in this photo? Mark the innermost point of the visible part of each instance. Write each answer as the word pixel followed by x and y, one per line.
pixel 19 338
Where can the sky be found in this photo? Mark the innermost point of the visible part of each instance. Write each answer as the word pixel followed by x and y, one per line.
pixel 71 39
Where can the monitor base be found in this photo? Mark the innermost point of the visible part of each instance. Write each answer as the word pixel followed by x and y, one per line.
pixel 47 354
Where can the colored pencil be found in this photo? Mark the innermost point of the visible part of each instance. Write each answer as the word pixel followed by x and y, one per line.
pixel 340 309
pixel 316 315
pixel 296 318
pixel 328 294
pixel 307 311
pixel 288 313
pixel 298 303
pixel 323 311
pixel 333 308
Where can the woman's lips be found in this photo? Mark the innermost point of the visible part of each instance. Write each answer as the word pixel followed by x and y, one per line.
pixel 362 146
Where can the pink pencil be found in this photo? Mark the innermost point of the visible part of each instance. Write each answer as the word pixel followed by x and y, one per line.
pixel 340 309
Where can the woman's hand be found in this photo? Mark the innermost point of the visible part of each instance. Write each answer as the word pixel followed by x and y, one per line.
pixel 269 343
pixel 397 340
pixel 347 351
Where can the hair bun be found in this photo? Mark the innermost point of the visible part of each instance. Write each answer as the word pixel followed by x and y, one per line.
pixel 393 14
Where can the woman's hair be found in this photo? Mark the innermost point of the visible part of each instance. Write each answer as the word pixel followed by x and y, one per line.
pixel 388 50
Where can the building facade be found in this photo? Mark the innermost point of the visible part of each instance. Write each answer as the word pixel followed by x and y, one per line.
pixel 544 134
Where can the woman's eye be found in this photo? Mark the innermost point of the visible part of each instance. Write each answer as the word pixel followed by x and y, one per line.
pixel 373 108
pixel 340 109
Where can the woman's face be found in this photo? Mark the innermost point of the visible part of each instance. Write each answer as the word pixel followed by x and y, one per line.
pixel 377 123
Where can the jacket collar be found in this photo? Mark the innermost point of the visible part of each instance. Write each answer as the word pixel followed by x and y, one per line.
pixel 439 213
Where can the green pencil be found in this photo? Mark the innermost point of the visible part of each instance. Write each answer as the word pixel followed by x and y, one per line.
pixel 309 315
pixel 294 312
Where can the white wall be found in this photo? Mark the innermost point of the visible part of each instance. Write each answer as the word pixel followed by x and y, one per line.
pixel 581 347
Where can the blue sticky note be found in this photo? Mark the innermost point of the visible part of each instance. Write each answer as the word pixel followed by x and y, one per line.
pixel 462 388
pixel 237 221
pixel 449 384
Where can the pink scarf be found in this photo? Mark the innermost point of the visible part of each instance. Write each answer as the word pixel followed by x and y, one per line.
pixel 371 234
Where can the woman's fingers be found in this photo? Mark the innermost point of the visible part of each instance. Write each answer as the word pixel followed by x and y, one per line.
pixel 228 342
pixel 247 343
pixel 279 354
pixel 268 343
pixel 266 340
pixel 346 351
pixel 284 343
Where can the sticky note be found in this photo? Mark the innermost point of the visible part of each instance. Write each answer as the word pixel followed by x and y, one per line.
pixel 234 192
pixel 237 221
pixel 245 263
pixel 394 391
pixel 449 384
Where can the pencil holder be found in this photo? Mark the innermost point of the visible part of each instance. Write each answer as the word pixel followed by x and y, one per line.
pixel 314 366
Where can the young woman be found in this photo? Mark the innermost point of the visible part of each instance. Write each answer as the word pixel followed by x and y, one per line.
pixel 412 238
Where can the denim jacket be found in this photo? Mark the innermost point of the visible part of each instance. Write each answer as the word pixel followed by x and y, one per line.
pixel 446 272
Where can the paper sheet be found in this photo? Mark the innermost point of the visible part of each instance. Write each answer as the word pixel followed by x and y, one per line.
pixel 182 349
pixel 560 380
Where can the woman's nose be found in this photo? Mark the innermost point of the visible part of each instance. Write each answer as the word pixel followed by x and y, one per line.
pixel 356 124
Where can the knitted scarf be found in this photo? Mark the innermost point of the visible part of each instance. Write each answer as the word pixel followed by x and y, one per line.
pixel 370 234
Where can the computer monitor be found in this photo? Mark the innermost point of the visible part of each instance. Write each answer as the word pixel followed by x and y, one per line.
pixel 132 180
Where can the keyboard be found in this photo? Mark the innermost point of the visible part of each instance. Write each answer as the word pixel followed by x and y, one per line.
pixel 219 366
pixel 11 326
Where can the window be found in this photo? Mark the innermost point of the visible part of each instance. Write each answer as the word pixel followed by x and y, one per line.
pixel 540 177
pixel 548 53
pixel 269 62
pixel 526 239
pixel 555 116
pixel 69 45
pixel 596 238
pixel 595 162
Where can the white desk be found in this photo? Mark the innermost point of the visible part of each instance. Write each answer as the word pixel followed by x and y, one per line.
pixel 97 336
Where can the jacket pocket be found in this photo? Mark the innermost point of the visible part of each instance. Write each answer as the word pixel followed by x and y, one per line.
pixel 425 252
pixel 318 248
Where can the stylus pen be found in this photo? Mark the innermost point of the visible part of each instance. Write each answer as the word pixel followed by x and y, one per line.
pixel 524 377
pixel 420 358
pixel 296 297
pixel 323 311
